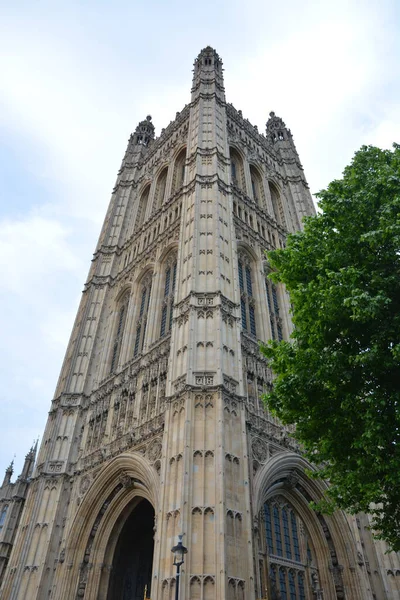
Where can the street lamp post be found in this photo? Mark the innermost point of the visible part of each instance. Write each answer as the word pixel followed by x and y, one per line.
pixel 179 552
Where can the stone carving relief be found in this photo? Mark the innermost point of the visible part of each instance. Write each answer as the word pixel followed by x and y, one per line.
pixel 259 450
pixel 84 484
pixel 154 450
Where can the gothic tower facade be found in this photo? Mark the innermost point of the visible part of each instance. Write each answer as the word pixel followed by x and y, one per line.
pixel 157 427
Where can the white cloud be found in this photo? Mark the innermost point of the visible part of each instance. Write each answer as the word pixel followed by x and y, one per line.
pixel 31 250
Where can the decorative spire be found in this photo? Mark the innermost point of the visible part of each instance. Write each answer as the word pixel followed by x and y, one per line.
pixel 9 472
pixel 276 129
pixel 144 132
pixel 29 462
pixel 208 53
pixel 208 74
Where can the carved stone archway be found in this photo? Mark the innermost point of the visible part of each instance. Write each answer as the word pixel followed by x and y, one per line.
pixel 284 475
pixel 115 493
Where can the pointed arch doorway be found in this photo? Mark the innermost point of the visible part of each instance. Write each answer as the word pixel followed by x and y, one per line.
pixel 130 549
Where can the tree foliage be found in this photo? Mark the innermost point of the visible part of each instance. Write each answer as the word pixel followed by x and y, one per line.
pixel 338 378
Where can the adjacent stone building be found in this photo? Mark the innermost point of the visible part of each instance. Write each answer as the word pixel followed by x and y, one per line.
pixel 157 427
pixel 12 500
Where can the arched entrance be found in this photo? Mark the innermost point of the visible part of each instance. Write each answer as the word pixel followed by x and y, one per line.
pixel 305 554
pixel 132 561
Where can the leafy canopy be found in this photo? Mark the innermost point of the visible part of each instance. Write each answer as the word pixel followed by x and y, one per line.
pixel 338 379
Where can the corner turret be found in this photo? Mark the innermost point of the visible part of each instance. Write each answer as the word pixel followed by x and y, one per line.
pixel 208 74
pixel 29 463
pixel 144 133
pixel 276 130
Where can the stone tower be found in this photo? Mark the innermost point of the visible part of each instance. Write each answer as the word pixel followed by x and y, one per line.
pixel 156 428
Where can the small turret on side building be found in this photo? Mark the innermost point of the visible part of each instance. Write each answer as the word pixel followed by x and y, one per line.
pixel 12 500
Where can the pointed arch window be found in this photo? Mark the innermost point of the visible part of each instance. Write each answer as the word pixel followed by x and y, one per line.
pixel 141 324
pixel 257 186
pixel 168 301
pixel 142 207
pixel 282 524
pixel 119 332
pixel 247 301
pixel 277 204
pixel 179 171
pixel 273 309
pixel 3 515
pixel 160 189
pixel 237 169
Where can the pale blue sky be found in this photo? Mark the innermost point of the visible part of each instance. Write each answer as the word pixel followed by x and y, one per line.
pixel 76 77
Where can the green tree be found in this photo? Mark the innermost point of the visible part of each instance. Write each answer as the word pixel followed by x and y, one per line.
pixel 338 378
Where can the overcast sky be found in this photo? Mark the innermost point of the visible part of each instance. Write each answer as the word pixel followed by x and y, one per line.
pixel 75 79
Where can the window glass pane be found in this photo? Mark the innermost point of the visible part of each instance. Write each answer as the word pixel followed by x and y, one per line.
pixel 252 320
pixel 243 310
pixel 167 279
pixel 254 188
pixel 309 555
pixel 286 533
pixel 137 340
pixel 268 297
pixel 120 320
pixel 148 297
pixel 272 575
pixel 282 584
pixel 273 329
pixel 275 299
pixel 163 320
pixel 268 527
pixel 248 281
pixel 144 333
pixel 295 537
pixel 280 334
pixel 292 586
pixel 142 303
pixel 301 586
pixel 114 357
pixel 174 276
pixel 171 312
pixel 241 276
pixel 3 516
pixel 277 527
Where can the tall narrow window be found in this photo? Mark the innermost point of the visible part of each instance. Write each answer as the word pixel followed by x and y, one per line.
pixel 143 312
pixel 286 534
pixel 257 188
pixel 237 169
pixel 179 171
pixel 247 301
pixel 302 595
pixel 277 205
pixel 281 536
pixel 295 537
pixel 233 171
pixel 119 332
pixel 292 586
pixel 168 302
pixel 3 515
pixel 273 309
pixel 277 528
pixel 268 527
pixel 142 207
pixel 160 190
pixel 282 583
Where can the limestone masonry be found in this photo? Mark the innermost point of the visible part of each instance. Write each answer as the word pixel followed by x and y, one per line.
pixel 157 427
